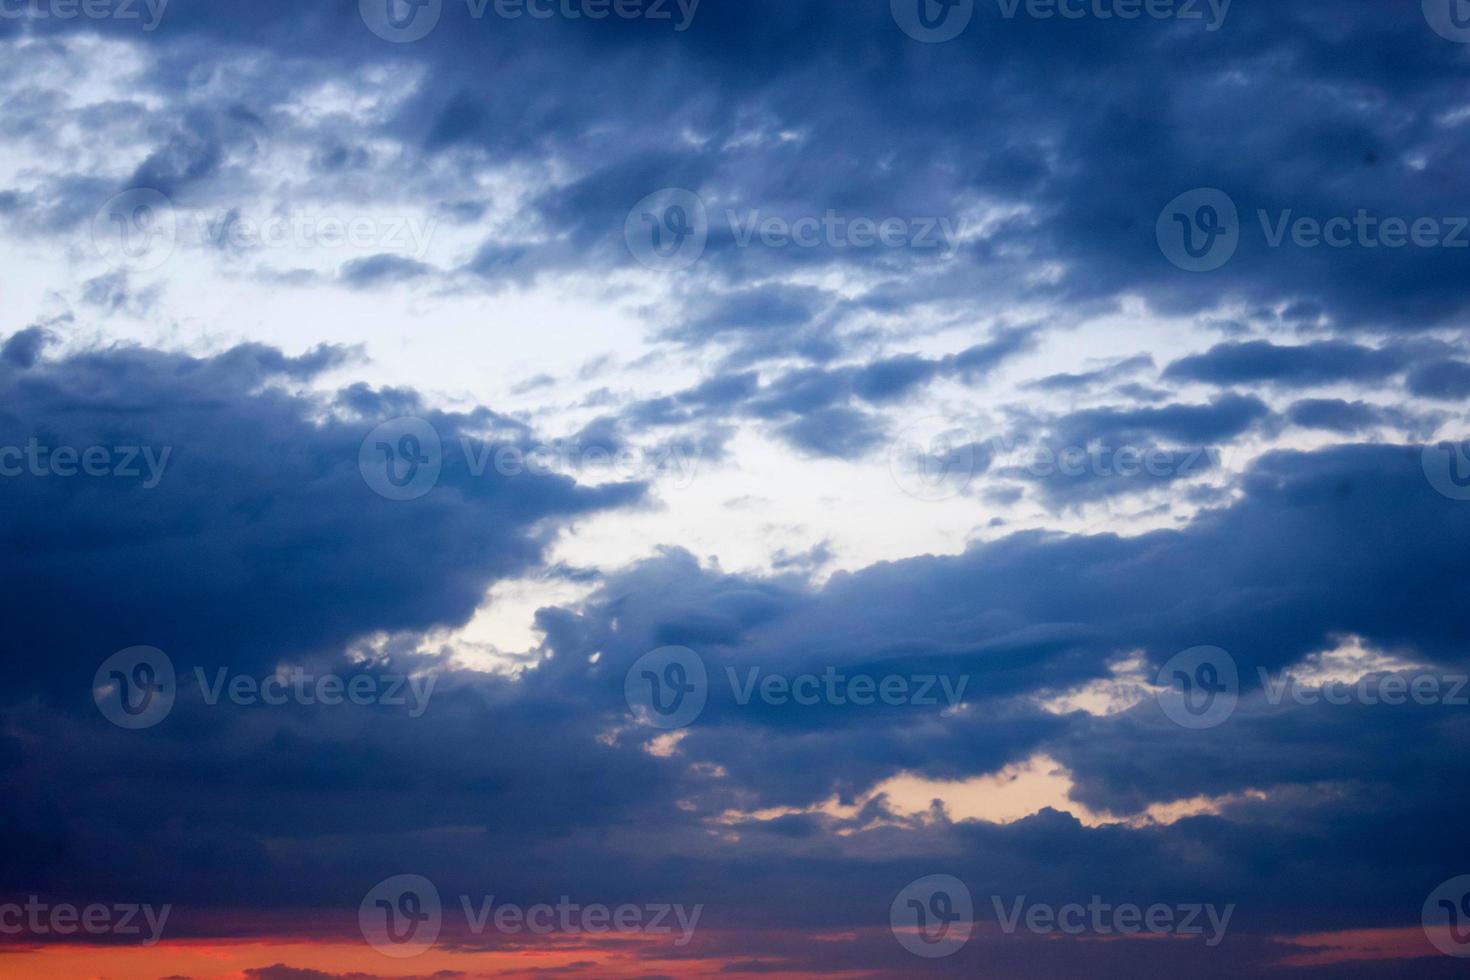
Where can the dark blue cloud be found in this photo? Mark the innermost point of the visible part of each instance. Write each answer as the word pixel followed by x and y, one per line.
pixel 244 499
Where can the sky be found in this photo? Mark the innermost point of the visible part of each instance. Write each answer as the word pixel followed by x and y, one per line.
pixel 689 488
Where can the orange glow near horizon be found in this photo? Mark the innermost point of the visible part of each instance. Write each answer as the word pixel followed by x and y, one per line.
pixel 215 960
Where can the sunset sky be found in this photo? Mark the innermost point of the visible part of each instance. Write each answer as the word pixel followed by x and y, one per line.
pixel 796 488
